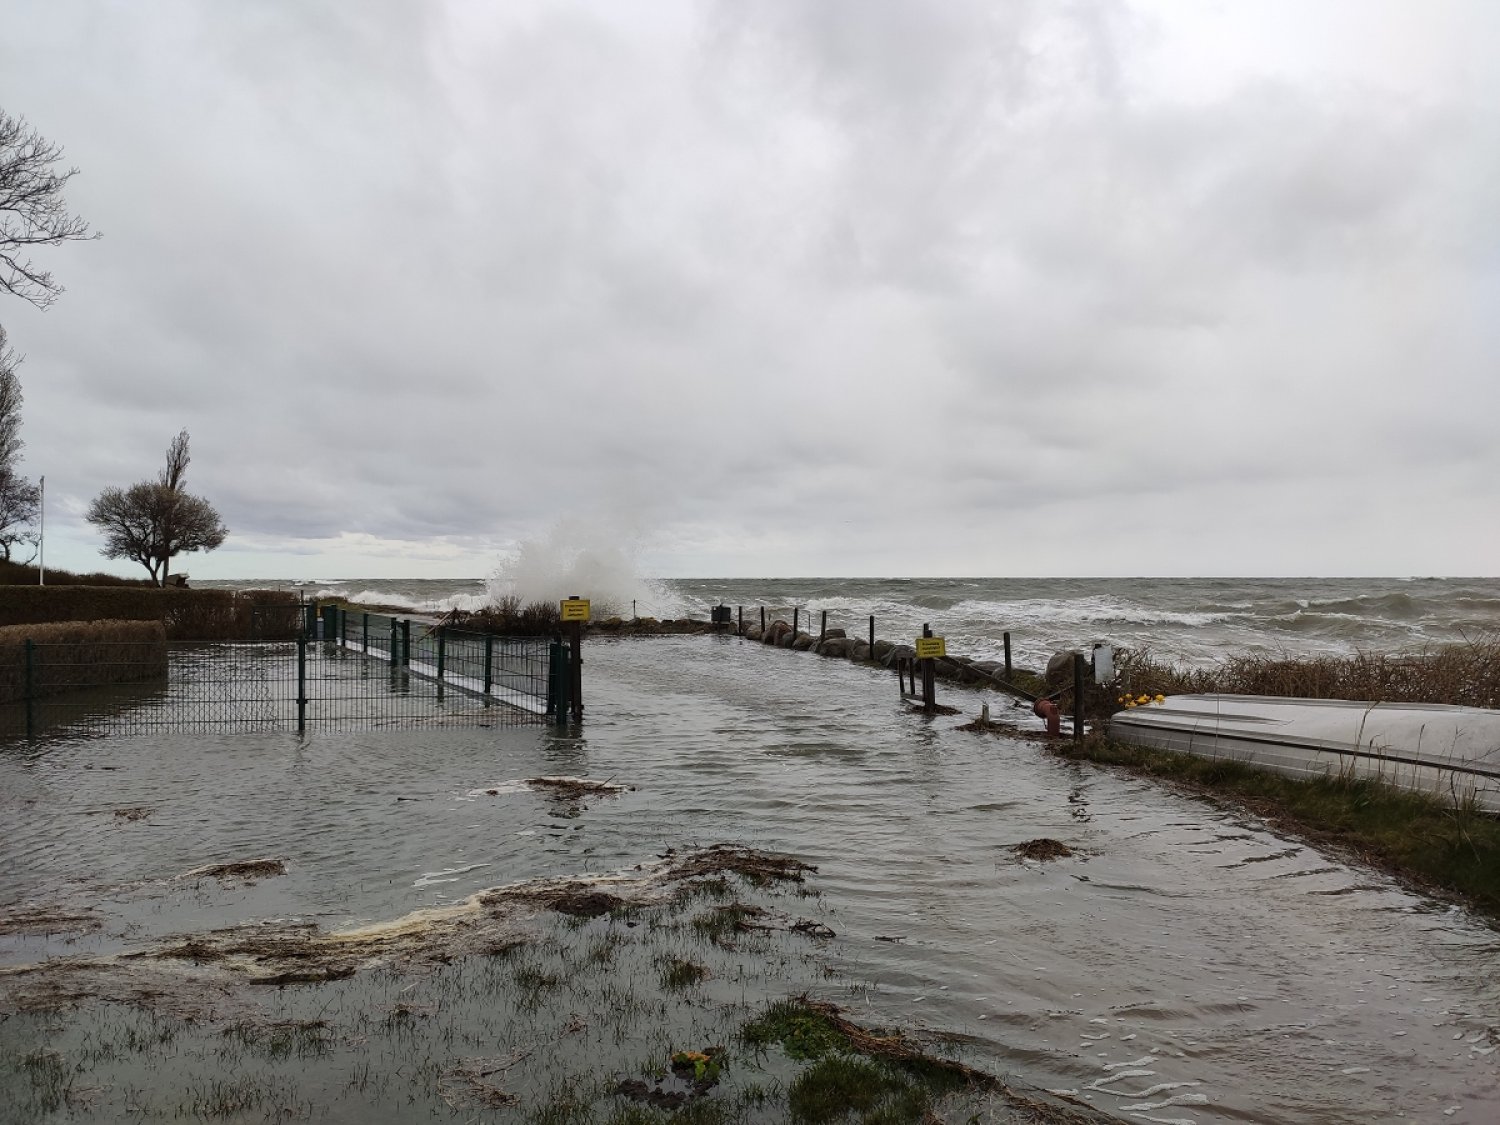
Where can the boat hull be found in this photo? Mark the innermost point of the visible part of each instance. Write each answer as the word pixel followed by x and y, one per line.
pixel 1449 752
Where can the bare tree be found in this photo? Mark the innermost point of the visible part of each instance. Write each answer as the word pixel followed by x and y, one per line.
pixel 32 212
pixel 154 521
pixel 20 500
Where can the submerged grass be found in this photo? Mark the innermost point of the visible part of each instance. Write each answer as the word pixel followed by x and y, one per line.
pixel 1441 845
pixel 641 1021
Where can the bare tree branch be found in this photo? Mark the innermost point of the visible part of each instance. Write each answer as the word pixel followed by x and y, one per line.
pixel 32 211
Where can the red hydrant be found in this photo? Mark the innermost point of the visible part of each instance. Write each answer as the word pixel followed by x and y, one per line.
pixel 1046 709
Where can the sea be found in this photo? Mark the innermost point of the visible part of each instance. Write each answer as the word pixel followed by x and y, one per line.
pixel 1193 621
pixel 1186 964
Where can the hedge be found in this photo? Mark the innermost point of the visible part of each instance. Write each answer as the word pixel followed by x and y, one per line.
pixel 70 655
pixel 196 615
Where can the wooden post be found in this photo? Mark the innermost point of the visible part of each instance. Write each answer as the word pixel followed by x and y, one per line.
pixel 762 622
pixel 1077 696
pixel 1007 656
pixel 575 637
pixel 929 677
pixel 742 621
pixel 823 628
pixel 795 610
pixel 872 636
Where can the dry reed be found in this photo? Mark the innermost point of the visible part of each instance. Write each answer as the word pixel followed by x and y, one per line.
pixel 1466 674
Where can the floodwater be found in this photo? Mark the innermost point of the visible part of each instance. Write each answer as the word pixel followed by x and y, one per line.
pixel 1185 964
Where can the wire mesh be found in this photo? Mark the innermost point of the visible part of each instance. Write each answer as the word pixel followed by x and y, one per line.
pixel 119 688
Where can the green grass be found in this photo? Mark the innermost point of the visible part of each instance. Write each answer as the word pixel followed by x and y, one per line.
pixel 802 1032
pixel 1454 848
pixel 678 974
pixel 845 1087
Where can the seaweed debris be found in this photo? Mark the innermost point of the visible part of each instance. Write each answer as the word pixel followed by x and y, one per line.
pixel 246 869
pixel 571 793
pixel 1043 848
pixel 45 920
pixel 760 869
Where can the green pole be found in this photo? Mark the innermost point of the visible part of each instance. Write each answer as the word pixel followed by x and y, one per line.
pixel 301 684
pixel 30 686
pixel 489 661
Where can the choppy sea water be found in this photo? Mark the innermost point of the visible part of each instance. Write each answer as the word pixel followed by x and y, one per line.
pixel 1187 964
pixel 1196 620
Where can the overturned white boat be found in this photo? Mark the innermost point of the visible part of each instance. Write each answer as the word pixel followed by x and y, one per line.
pixel 1452 753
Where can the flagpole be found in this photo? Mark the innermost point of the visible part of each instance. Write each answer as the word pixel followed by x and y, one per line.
pixel 41 536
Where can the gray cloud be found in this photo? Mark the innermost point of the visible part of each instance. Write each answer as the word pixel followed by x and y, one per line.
pixel 845 288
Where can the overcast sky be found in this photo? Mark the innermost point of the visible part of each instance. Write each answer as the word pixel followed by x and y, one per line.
pixel 845 287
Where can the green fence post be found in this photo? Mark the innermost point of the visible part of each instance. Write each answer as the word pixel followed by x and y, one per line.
pixel 301 684
pixel 405 643
pixel 559 681
pixel 309 618
pixel 489 661
pixel 30 686
pixel 442 650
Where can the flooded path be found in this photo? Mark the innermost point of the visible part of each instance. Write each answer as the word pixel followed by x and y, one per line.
pixel 1184 964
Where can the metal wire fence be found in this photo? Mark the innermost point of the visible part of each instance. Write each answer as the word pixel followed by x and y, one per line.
pixel 51 691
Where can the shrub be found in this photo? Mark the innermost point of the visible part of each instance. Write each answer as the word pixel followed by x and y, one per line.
pixel 70 655
pixel 198 615
pixel 1465 674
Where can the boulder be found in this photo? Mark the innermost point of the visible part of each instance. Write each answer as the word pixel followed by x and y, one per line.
pixel 752 632
pixel 775 631
pixel 882 650
pixel 834 634
pixel 1060 668
pixel 836 646
pixel 803 641
pixel 860 651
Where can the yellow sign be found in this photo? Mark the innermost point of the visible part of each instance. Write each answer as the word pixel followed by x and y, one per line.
pixel 930 647
pixel 575 609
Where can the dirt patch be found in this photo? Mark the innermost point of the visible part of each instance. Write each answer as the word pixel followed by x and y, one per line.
pixel 1005 729
pixel 574 901
pixel 760 869
pixel 936 709
pixel 1043 848
pixel 45 920
pixel 246 869
pixel 140 812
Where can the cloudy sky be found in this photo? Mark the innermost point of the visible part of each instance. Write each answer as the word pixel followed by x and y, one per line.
pixel 845 287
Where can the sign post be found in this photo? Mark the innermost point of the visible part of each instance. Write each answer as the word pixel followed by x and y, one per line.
pixel 929 648
pixel 575 611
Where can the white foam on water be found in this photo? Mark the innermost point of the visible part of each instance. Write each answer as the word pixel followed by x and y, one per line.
pixel 1108 1080
pixel 449 875
pixel 499 788
pixel 1175 1099
pixel 1144 1061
